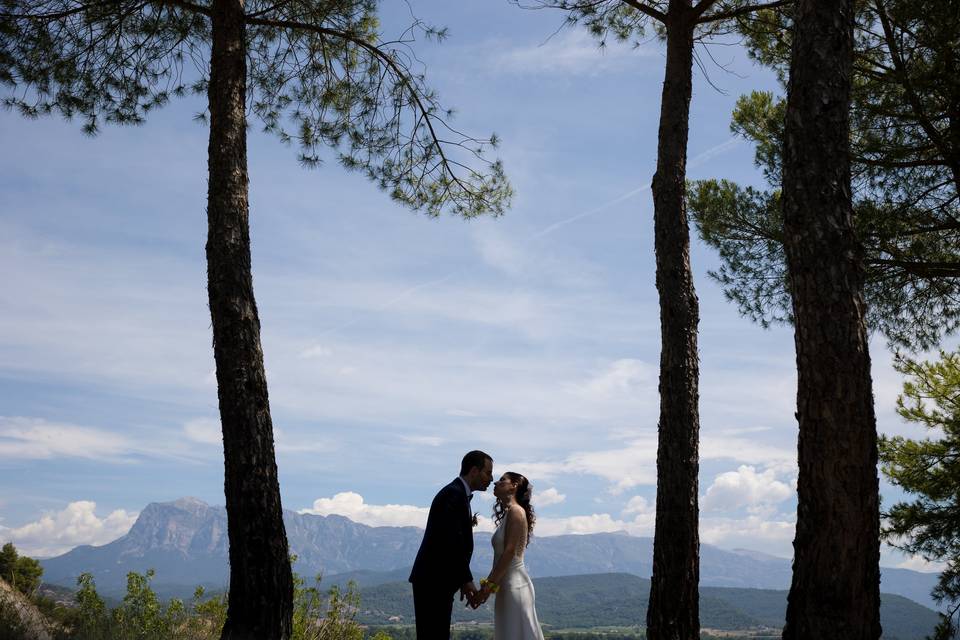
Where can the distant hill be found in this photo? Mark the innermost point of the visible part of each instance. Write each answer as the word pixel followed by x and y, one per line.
pixel 186 542
pixel 619 599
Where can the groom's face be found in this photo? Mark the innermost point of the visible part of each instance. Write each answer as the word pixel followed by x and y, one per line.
pixel 481 477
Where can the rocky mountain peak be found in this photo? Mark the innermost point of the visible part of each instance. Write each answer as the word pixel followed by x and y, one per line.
pixel 189 503
pixel 185 525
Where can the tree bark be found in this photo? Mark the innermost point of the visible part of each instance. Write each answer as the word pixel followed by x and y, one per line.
pixel 261 587
pixel 673 612
pixel 835 592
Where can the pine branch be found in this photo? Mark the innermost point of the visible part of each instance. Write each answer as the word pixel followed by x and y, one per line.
pixel 644 8
pixel 911 93
pixel 740 11
pixel 929 270
pixel 183 4
pixel 389 61
pixel 52 16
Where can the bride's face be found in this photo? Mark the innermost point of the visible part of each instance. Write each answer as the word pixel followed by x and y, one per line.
pixel 504 487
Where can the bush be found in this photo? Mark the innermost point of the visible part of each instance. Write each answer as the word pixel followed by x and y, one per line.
pixel 141 616
pixel 20 572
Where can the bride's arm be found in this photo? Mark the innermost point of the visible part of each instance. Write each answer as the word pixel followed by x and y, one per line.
pixel 516 527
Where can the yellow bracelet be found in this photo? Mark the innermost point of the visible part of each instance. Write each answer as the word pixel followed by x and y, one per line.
pixel 493 586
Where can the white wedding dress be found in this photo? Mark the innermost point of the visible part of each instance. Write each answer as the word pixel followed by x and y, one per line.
pixel 514 613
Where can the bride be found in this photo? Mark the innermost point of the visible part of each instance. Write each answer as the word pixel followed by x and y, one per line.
pixel 514 614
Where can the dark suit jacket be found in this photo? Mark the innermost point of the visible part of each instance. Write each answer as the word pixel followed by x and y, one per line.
pixel 444 556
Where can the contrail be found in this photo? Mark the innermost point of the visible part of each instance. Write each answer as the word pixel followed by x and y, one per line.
pixel 400 296
pixel 696 161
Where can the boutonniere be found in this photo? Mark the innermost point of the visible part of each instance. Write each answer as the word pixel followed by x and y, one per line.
pixel 474 519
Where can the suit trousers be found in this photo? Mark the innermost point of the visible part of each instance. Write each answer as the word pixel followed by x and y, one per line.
pixel 432 608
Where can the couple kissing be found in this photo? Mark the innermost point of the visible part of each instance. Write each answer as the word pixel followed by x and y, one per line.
pixel 442 566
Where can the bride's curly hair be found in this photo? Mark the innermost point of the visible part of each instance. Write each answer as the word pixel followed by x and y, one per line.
pixel 523 495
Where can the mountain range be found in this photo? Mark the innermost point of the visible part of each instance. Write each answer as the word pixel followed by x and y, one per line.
pixel 186 542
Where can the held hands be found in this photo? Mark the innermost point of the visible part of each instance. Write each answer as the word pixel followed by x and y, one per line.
pixel 476 598
pixel 469 591
pixel 480 598
pixel 486 588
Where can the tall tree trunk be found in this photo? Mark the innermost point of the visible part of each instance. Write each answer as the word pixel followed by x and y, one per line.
pixel 261 586
pixel 673 612
pixel 835 591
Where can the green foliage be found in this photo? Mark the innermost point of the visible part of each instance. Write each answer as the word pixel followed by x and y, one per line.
pixel 20 572
pixel 208 615
pixel 745 225
pixel 630 20
pixel 906 172
pixel 140 614
pixel 333 617
pixel 320 75
pixel 317 615
pixel 92 622
pixel 929 469
pixel 612 634
pixel 612 604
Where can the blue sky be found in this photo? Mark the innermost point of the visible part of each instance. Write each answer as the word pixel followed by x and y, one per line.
pixel 393 342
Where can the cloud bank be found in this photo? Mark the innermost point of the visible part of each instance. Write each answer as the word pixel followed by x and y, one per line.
pixel 78 524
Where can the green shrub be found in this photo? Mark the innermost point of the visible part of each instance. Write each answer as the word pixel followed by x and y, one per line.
pixel 20 572
pixel 141 615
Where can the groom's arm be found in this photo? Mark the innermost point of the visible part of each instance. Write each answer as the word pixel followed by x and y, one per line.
pixel 454 535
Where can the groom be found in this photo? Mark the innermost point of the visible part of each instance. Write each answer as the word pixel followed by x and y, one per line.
pixel 443 562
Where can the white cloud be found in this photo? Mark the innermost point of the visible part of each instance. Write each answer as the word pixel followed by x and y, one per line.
pixel 287 442
pixel 547 497
pixel 748 450
pixel 594 523
pixel 77 524
pixel 351 505
pixel 918 563
pixel 427 441
pixel 485 496
pixel 641 524
pixel 500 253
pixel 315 351
pixel 626 376
pixel 529 264
pixel 633 463
pixel 460 413
pixel 773 535
pixel 207 431
pixel 571 52
pixel 628 466
pixel 745 488
pixel 144 326
pixel 35 438
pixel 739 431
pixel 637 504
pixel 204 431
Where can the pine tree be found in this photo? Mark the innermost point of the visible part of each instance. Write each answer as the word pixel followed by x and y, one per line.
pixel 20 572
pixel 835 590
pixel 673 612
pixel 929 469
pixel 905 153
pixel 317 74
